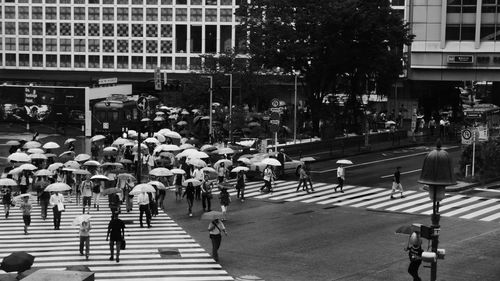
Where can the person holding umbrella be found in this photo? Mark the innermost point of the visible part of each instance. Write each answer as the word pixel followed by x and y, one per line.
pixel 179 178
pixel 26 207
pixel 268 178
pixel 224 199
pixel 215 228
pixel 415 255
pixel 116 231
pixel 86 187
pixel 84 233
pixel 7 200
pixel 143 202
pixel 57 203
pixel 44 200
pixel 129 184
pixel 189 194
pixel 340 178
pixel 240 185
pixel 206 194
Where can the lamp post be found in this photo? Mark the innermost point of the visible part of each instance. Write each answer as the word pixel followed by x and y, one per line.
pixel 210 129
pixel 437 173
pixel 230 106
pixel 295 110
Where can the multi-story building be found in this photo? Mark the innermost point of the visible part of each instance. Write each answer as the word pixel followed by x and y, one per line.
pixel 116 38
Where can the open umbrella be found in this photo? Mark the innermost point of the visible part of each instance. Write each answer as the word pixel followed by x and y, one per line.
pixel 77 221
pixel 408 229
pixel 186 146
pixel 143 187
pixel 125 161
pixel 239 168
pixel 195 182
pixel 178 171
pixel 82 157
pixel 224 150
pixel 152 140
pixel 7 182
pixel 344 162
pixel 21 196
pixel 198 154
pixel 17 261
pixel 388 123
pixel 58 186
pixel 253 124
pixel 212 215
pixel 197 162
pixel 168 147
pixel 97 138
pixel 112 164
pixel 51 145
pixel 208 147
pixel 111 190
pixel 15 171
pixel 81 172
pixel 72 164
pixel 35 151
pixel 172 135
pixel 19 157
pixel 92 163
pixel 13 143
pixel 209 170
pixel 271 161
pixel 32 144
pixel 125 176
pixel 163 131
pixel 158 184
pixel 68 153
pixel 55 166
pixel 161 172
pixel 68 141
pixel 43 173
pixel 28 167
pixel 182 123
pixel 38 156
pixel 120 141
pixel 226 162
pixel 99 177
pixel 160 137
pixel 245 160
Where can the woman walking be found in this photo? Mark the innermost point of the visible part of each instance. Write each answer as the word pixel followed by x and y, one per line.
pixel 215 228
pixel 240 185
pixel 7 200
pixel 26 207
pixel 178 180
pixel 85 238
pixel 57 203
pixel 224 201
pixel 96 194
pixel 268 178
pixel 116 232
pixel 206 194
pixel 86 188
pixel 189 194
pixel 126 194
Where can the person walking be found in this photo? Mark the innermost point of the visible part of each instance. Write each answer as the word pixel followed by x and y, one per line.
pixel 396 183
pixel 303 180
pixel 206 194
pixel 96 194
pixel 268 178
pixel 86 187
pixel 307 169
pixel 127 196
pixel 240 185
pixel 281 158
pixel 414 249
pixel 198 175
pixel 115 235
pixel 221 172
pixel 114 203
pixel 143 202
pixel 189 194
pixel 7 200
pixel 340 178
pixel 44 203
pixel 57 203
pixel 84 233
pixel 179 178
pixel 215 229
pixel 432 125
pixel 26 207
pixel 224 199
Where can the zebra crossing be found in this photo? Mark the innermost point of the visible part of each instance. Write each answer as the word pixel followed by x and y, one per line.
pixel 164 252
pixel 413 202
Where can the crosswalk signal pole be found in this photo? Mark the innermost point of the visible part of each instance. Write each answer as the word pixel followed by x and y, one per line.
pixel 139 149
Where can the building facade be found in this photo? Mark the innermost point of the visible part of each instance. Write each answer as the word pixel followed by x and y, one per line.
pixel 131 37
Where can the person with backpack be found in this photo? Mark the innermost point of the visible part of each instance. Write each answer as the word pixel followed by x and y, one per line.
pixel 96 194
pixel 224 199
pixel 86 187
pixel 215 228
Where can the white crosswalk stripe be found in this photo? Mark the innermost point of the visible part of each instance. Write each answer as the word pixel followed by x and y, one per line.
pixel 183 258
pixel 413 202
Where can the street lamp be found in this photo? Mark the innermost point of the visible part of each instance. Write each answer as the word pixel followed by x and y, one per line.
pixel 437 173
pixel 210 129
pixel 230 105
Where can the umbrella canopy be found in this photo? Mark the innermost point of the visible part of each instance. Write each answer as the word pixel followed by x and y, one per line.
pixel 245 160
pixel 390 123
pixel 19 157
pixel 97 138
pixel 152 140
pixel 209 170
pixel 120 141
pixel 158 184
pixel 50 155
pixel 195 182
pixel 35 150
pixel 99 177
pixel 55 166
pixel 182 123
pixel 344 162
pixel 51 145
pixel 408 229
pixel 77 221
pixel 13 143
pixel 253 124
pixel 212 215
pixel 197 162
pixel 43 173
pixel 82 157
pixel 224 150
pixel 271 161
pixel 7 182
pixel 21 196
pixel 161 172
pixel 110 149
pixel 239 168
pixel 32 144
pixel 226 162
pixel 15 171
pixel 81 172
pixel 68 141
pixel 307 159
pixel 72 164
pixel 143 187
pixel 172 135
pixel 92 163
pixel 112 164
pixel 125 176
pixel 68 153
pixel 159 113
pixel 178 171
pixel 185 112
pixel 38 156
pixel 198 154
pixel 208 147
pixel 58 186
pixel 168 147
pixel 186 146
pixel 17 261
pixel 143 147
pixel 111 190
pixel 125 161
pixel 160 137
pixel 163 131
pixel 186 153
pixel 28 167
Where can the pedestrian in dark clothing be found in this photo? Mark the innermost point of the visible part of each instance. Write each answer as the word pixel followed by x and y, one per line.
pixel 415 255
pixel 114 203
pixel 281 169
pixel 94 151
pixel 206 194
pixel 340 178
pixel 26 207
pixel 7 200
pixel 116 231
pixel 84 233
pixel 215 228
pixel 240 185
pixel 143 201
pixel 189 194
pixel 224 201
pixel 44 203
pixel 396 184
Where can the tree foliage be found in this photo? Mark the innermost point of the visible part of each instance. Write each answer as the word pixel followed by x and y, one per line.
pixel 335 45
pixel 487 159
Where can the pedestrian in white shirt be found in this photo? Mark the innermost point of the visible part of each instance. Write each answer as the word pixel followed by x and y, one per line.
pixel 57 203
pixel 143 202
pixel 340 178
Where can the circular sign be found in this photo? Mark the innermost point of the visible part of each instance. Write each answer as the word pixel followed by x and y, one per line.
pixel 466 134
pixel 142 103
pixel 275 103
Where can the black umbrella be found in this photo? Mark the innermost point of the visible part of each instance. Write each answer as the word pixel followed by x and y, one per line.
pixel 17 261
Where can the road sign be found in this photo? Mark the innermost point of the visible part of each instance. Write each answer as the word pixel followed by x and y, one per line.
pixel 157 79
pixel 466 136
pixel 142 104
pixel 275 103
pixel 274 122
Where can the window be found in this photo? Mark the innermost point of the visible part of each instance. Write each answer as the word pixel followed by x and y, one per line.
pixel 211 15
pixel 225 38
pixel 180 38
pixel 166 14
pixel 196 2
pixel 181 2
pixel 79 13
pixel 461 6
pixel 94 29
pixel 137 30
pixel 122 62
pixel 10 28
pixel 93 1
pixel 166 63
pixel 36 28
pixel 24 44
pixel 36 13
pixel 151 46
pixel 50 61
pixel 50 13
pixel 151 62
pixel 166 47
pixel 64 13
pixel 108 30
pixel 210 39
pixel 462 32
pixel 397 2
pixel 122 14
pixel 79 29
pixel 65 45
pixel 122 46
pixel 108 46
pixel 196 14
pixel 94 13
pixel 166 2
pixel 195 63
pixel 108 13
pixel 50 45
pixel 108 62
pixel 137 62
pixel 122 30
pixel 137 46
pixel 196 39
pixel 151 2
pixel 24 28
pixel 10 59
pixel 122 2
pixel 65 29
pixel 79 61
pixel 108 2
pixel 65 61
pixel 50 28
pixel 79 45
pixel 24 13
pixel 210 2
pixel 181 14
pixel 93 45
pixel 488 32
pixel 10 12
pixel 37 60
pixel 37 44
pixel 226 15
pixel 24 60
pixel 137 2
pixel 151 30
pixel 94 62
pixel 180 63
pixel 166 30
pixel 137 14
pixel 151 14
pixel 10 44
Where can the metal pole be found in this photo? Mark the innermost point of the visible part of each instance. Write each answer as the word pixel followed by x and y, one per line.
pixel 295 112
pixel 139 149
pixel 473 151
pixel 435 234
pixel 230 107
pixel 276 141
pixel 210 130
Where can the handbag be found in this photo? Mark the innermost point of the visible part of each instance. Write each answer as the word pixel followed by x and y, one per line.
pixel 60 206
pixel 123 245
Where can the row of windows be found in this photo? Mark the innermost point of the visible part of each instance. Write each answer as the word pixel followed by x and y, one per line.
pixel 461 6
pixel 120 14
pixel 111 62
pixel 467 32
pixel 133 2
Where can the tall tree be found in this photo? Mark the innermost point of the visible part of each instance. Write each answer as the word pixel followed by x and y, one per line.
pixel 328 42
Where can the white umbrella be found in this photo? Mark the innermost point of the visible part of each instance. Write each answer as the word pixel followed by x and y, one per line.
pixel 72 164
pixel 21 196
pixel 36 151
pixel 79 219
pixel 159 137
pixel 19 157
pixel 113 164
pixel 43 173
pixel 163 131
pixel 143 147
pixel 159 113
pixel 38 156
pixel 55 166
pixel 68 141
pixel 97 138
pixel 58 186
pixel 159 118
pixel 197 162
pixel 225 150
pixel 245 160
pixel 178 171
pixel 195 182
pixel 99 177
pixel 120 141
pixel 198 154
pixel 152 140
pixel 185 112
pixel 239 168
pixel 226 162
pixel 173 135
pixel 161 172
pixel 15 171
pixel 187 153
pixel 182 123
pixel 13 143
pixel 145 119
pixel 68 153
pixel 82 157
pixel 81 172
pixel 271 161
pixel 7 182
pixel 344 162
pixel 51 145
pixel 208 147
pixel 209 170
pixel 390 123
pixel 28 167
pixel 92 163
pixel 158 184
pixel 32 144
pixel 143 187
pixel 186 146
